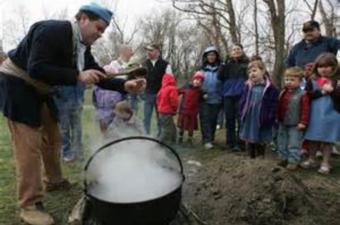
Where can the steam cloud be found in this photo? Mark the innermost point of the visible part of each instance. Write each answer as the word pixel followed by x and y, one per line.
pixel 133 171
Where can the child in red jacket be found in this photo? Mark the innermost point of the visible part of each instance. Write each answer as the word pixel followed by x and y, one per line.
pixel 188 109
pixel 167 102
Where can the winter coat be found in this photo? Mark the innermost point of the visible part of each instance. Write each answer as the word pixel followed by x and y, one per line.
pixel 47 55
pixel 167 97
pixel 303 53
pixel 233 74
pixel 190 100
pixel 212 86
pixel 268 104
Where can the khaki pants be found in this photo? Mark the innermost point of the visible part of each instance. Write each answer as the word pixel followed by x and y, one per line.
pixel 36 149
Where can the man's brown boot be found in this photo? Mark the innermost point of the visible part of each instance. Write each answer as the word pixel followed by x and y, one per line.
pixel 35 215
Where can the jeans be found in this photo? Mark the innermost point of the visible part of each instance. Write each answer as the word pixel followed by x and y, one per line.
pixel 133 99
pixel 149 105
pixel 289 143
pixel 231 109
pixel 168 129
pixel 71 130
pixel 220 118
pixel 208 115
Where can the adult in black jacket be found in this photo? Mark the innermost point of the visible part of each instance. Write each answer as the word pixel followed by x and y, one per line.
pixel 233 74
pixel 156 67
pixel 52 53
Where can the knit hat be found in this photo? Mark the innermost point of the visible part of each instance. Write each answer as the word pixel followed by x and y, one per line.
pixel 103 13
pixel 198 76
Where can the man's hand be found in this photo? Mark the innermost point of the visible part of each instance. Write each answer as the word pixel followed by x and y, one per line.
pixel 301 126
pixel 91 76
pixel 135 86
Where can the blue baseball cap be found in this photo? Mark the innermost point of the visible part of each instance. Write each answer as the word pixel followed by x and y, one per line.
pixel 103 13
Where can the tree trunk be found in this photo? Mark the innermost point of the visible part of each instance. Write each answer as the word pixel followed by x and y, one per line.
pixel 256 29
pixel 277 14
pixel 328 19
pixel 232 22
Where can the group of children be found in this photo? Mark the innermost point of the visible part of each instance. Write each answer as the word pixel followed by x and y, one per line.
pixel 307 111
pixel 308 115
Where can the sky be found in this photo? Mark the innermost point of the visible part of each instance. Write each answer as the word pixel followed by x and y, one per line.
pixel 127 11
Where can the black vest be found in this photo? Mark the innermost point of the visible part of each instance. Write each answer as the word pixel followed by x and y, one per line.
pixel 155 75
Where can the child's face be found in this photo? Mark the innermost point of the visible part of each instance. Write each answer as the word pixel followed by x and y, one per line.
pixel 325 71
pixel 292 82
pixel 255 74
pixel 197 83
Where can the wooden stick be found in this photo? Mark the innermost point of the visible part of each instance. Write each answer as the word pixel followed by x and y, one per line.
pixel 131 74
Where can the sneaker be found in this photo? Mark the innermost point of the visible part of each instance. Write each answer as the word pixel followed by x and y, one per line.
pixel 319 154
pixel 292 166
pixel 64 185
pixel 236 148
pixel 308 164
pixel 69 159
pixel 335 151
pixel 35 215
pixel 208 146
pixel 324 170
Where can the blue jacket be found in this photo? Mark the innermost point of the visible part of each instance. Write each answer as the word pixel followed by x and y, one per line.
pixel 303 53
pixel 212 86
pixel 46 54
pixel 233 74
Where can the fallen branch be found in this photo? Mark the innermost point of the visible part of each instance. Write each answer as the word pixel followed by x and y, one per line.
pixel 187 211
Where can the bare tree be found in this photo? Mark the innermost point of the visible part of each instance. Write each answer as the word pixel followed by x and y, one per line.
pixel 277 15
pixel 220 14
pixel 312 7
pixel 256 30
pixel 329 16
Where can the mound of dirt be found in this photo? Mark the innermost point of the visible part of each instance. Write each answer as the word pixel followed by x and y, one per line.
pixel 235 190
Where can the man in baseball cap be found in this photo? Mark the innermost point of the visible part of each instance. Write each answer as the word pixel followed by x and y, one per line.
pixel 311 46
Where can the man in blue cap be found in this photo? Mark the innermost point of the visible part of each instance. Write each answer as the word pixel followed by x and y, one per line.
pixel 52 53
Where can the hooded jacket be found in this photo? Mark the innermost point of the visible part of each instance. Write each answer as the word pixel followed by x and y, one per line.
pixel 167 97
pixel 212 86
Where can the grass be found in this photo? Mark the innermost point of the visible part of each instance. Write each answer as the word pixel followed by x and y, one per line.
pixel 60 203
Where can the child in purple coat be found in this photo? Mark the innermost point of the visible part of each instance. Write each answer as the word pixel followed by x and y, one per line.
pixel 258 109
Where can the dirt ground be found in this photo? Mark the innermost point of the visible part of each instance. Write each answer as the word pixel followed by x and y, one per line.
pixel 224 188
